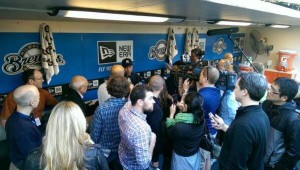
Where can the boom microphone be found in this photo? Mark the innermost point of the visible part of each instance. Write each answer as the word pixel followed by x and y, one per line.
pixel 223 31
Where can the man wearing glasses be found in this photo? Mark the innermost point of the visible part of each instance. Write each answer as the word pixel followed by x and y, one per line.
pixel 29 77
pixel 283 149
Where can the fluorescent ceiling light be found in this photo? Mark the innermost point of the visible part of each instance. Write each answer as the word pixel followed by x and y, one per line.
pixel 233 23
pixel 277 26
pixel 116 16
pixel 291 1
pixel 259 5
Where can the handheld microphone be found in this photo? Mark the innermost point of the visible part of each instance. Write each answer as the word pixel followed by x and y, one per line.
pixel 223 31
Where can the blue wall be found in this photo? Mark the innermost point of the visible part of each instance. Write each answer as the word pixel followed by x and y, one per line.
pixel 79 50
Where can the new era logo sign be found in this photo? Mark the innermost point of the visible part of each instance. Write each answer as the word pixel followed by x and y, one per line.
pixel 114 51
pixel 106 52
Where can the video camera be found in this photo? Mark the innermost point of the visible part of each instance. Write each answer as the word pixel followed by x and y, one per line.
pixel 188 70
pixel 226 81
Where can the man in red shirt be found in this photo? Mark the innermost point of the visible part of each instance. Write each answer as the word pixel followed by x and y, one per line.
pixel 29 77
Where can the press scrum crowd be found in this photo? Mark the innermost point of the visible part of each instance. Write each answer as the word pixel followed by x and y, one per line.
pixel 251 125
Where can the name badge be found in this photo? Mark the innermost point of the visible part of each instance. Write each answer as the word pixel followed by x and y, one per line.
pixel 37 121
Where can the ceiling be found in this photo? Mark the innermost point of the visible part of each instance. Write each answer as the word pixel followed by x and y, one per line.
pixel 196 12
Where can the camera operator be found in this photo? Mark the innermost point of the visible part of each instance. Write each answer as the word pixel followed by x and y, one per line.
pixel 196 57
pixel 181 71
pixel 172 80
pixel 194 68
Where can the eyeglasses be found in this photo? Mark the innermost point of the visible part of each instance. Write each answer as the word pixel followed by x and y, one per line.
pixel 272 90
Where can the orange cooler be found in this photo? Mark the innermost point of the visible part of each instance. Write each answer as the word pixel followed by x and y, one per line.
pixel 286 59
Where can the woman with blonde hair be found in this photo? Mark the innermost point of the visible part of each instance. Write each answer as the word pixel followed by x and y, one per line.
pixel 66 145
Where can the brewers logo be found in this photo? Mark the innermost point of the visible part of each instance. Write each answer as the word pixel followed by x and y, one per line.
pixel 219 46
pixel 158 51
pixel 28 57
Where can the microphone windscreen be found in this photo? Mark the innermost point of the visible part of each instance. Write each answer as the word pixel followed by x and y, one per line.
pixel 222 31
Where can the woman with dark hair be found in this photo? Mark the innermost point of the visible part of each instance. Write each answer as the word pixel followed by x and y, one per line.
pixel 186 130
pixel 166 101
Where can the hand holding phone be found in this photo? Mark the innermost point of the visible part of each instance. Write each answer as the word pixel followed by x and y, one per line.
pixel 175 98
pixel 216 121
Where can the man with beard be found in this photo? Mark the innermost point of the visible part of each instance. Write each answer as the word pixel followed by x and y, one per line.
pixel 137 140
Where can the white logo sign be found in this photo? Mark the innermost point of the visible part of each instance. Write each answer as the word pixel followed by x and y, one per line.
pixel 28 57
pixel 219 46
pixel 158 51
pixel 106 52
pixel 114 51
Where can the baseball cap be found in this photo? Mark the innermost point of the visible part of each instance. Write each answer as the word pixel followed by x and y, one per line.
pixel 126 62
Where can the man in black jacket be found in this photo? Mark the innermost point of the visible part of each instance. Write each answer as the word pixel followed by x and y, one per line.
pixel 77 88
pixel 283 149
pixel 245 140
pixel 154 119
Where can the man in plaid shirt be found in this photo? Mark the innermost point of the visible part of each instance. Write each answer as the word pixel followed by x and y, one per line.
pixel 104 128
pixel 137 140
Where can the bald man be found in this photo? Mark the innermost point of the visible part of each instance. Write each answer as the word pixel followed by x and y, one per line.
pixel 116 70
pixel 21 129
pixel 77 89
pixel 229 57
pixel 224 65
